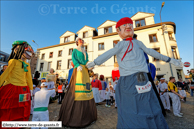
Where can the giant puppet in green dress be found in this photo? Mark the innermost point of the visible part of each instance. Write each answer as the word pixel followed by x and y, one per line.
pixel 78 107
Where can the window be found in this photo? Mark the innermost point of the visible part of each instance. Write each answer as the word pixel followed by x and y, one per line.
pixel 41 66
pixel 153 38
pixel 60 53
pixel 86 48
pixel 139 23
pixel 115 58
pixel 101 46
pixel 69 64
pixel 2 58
pixel 170 36
pixel 59 65
pixel 158 50
pixel 108 30
pixel 49 66
pixel 85 34
pixel 157 69
pixel 174 52
pixel 70 51
pixel 115 42
pixel 67 39
pixel 43 56
pixel 51 55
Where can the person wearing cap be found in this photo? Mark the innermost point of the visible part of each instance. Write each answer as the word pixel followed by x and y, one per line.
pixel 41 101
pixel 163 88
pixel 78 108
pixel 15 100
pixel 173 93
pixel 137 102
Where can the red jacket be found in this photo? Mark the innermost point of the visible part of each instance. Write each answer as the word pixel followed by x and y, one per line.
pixel 96 84
pixel 115 74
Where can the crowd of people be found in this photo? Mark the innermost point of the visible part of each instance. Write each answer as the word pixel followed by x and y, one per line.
pixel 133 92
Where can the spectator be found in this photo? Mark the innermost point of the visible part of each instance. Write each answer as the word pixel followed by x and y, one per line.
pixel 41 101
pixel 180 84
pixel 173 92
pixel 114 93
pixel 60 92
pixel 4 68
pixel 110 84
pixel 111 95
pixel 163 88
pixel 107 93
pixel 191 88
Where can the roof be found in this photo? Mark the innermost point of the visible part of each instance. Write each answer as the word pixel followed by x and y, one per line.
pixel 141 12
pixel 104 22
pixel 139 28
pixel 86 26
pixel 66 32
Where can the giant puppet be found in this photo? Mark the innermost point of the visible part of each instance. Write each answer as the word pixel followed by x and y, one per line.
pixel 15 100
pixel 138 106
pixel 78 108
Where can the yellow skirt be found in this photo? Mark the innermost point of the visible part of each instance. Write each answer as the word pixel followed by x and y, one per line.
pixel 82 79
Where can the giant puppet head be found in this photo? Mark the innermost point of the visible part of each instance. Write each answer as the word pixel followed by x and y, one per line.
pixel 124 28
pixel 21 49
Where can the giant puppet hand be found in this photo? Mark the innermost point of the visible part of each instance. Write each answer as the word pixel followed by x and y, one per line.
pixel 176 62
pixel 79 68
pixel 90 65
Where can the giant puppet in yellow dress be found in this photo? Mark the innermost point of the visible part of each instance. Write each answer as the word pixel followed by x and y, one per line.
pixel 15 84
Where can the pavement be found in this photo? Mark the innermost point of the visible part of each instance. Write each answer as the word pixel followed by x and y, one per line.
pixel 107 117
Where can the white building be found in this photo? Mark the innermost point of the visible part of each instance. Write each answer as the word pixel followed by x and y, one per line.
pixel 104 38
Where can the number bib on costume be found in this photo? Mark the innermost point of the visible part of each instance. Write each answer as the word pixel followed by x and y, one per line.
pixel 24 97
pixel 145 88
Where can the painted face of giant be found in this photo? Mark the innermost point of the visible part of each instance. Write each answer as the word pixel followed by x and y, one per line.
pixel 125 30
pixel 28 51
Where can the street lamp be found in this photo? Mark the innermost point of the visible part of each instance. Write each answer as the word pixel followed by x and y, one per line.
pixel 37 52
pixel 163 28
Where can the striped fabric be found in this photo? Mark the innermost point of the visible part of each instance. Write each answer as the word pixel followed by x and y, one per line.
pixel 81 92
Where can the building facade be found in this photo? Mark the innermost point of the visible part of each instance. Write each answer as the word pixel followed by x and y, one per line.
pixel 153 35
pixel 3 59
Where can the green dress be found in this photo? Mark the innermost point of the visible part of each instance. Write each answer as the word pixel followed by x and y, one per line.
pixel 78 108
pixel 79 58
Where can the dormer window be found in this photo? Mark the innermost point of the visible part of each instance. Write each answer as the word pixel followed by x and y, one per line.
pixel 85 34
pixel 108 30
pixel 139 23
pixel 67 39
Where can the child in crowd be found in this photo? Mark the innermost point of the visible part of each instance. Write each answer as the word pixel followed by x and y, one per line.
pixel 110 85
pixel 114 92
pixel 60 92
pixel 41 101
pixel 107 93
pixel 111 95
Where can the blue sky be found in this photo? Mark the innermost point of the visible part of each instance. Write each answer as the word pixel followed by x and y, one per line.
pixel 45 21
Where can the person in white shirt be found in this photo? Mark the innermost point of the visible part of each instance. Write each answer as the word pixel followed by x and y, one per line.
pixel 114 92
pixel 107 94
pixel 111 95
pixel 41 101
pixel 35 89
pixel 110 85
pixel 163 88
